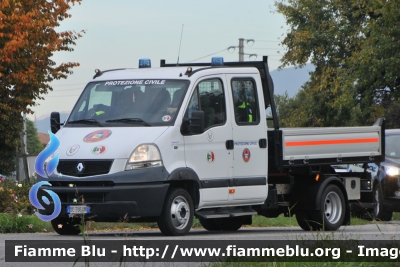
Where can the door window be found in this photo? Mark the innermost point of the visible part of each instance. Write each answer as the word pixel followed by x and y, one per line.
pixel 209 97
pixel 244 94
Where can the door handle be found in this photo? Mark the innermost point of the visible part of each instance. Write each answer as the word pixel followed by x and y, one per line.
pixel 262 143
pixel 229 144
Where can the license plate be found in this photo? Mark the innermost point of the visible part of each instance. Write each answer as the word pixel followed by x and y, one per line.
pixel 78 209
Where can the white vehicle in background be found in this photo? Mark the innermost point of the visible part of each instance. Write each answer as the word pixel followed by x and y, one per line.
pixel 167 144
pixel 360 167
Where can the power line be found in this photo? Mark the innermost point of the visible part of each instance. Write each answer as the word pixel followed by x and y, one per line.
pixel 59 96
pixel 241 48
pixel 208 55
pixel 69 89
pixel 267 41
pixel 274 55
pixel 70 84
pixel 262 48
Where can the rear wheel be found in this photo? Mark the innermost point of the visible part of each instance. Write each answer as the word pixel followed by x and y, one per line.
pixel 331 215
pixel 66 226
pixel 357 211
pixel 306 221
pixel 177 215
pixel 380 212
pixel 230 224
pixel 209 224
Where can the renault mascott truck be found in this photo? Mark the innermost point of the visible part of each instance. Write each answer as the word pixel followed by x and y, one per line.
pixel 165 144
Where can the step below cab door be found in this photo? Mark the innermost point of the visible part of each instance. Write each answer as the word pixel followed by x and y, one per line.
pixel 206 153
pixel 250 162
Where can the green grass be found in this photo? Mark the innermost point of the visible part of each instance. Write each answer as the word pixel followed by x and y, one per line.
pixel 12 223
pixel 258 221
pixel 103 226
pixel 396 216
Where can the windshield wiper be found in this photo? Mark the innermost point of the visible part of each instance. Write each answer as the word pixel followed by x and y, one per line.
pixel 130 120
pixel 87 121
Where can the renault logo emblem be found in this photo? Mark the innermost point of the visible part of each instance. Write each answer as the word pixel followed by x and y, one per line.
pixel 80 167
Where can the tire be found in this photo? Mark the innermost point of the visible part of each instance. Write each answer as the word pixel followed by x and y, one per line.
pixel 230 224
pixel 209 224
pixel 356 210
pixel 331 215
pixel 66 226
pixel 177 215
pixel 306 221
pixel 380 213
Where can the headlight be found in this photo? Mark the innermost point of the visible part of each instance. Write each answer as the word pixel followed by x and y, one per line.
pixel 144 156
pixel 392 171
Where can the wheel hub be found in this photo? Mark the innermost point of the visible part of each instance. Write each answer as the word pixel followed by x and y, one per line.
pixel 376 202
pixel 180 212
pixel 333 208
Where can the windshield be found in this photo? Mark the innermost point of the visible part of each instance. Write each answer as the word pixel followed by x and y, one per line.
pixel 129 102
pixel 392 147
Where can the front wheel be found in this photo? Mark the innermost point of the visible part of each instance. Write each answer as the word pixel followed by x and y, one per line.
pixel 66 226
pixel 331 215
pixel 380 212
pixel 177 215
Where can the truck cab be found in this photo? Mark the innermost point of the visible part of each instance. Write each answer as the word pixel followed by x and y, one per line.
pixel 136 137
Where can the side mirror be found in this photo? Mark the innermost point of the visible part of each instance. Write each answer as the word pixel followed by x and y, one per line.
pixel 55 122
pixel 194 124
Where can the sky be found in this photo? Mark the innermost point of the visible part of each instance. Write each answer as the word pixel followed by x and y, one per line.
pixel 120 32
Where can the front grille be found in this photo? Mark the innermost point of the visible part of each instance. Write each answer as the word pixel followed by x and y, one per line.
pixel 82 168
pixel 81 198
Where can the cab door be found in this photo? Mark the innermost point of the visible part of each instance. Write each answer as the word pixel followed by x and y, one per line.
pixel 250 164
pixel 206 153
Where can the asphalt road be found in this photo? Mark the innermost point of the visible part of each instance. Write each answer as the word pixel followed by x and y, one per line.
pixel 379 231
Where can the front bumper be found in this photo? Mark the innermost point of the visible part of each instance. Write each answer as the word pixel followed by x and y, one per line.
pixel 111 200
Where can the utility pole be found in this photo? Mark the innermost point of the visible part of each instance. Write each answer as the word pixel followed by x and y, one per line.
pixel 241 49
pixel 24 149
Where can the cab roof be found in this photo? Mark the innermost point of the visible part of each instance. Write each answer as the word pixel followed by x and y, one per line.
pixel 164 72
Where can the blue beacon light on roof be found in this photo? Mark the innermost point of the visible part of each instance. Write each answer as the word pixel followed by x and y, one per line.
pixel 217 61
pixel 144 63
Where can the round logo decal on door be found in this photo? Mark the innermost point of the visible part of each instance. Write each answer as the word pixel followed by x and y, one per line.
pixel 246 155
pixel 210 156
pixel 210 136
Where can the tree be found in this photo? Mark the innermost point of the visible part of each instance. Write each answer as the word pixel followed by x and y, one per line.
pixel 33 143
pixel 28 39
pixel 355 48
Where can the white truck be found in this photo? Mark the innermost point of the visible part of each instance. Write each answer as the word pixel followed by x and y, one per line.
pixel 182 140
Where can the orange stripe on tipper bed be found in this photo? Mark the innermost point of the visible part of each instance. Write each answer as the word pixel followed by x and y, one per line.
pixel 333 142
